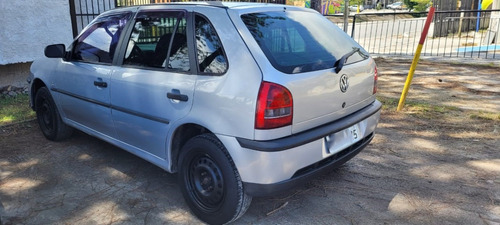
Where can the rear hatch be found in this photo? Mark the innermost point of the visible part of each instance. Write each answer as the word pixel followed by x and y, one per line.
pixel 328 74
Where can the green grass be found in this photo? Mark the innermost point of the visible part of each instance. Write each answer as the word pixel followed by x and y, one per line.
pixel 15 109
pixel 390 103
pixel 485 116
pixel 430 111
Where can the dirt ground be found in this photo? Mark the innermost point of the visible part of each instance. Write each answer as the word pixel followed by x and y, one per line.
pixel 434 163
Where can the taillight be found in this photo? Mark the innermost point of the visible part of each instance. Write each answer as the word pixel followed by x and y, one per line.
pixel 274 106
pixel 375 79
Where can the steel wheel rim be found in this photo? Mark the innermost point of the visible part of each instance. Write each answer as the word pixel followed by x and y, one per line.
pixel 46 117
pixel 204 179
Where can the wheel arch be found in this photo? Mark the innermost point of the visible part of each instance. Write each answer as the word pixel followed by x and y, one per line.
pixel 37 84
pixel 180 137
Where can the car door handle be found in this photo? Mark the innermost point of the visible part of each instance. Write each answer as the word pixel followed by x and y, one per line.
pixel 176 95
pixel 100 83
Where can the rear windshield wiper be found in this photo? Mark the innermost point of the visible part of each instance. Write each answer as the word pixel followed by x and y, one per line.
pixel 340 63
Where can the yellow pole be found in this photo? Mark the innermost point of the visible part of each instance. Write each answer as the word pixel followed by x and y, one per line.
pixel 415 59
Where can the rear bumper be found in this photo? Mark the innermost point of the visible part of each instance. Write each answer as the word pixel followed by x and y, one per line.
pixel 306 173
pixel 271 166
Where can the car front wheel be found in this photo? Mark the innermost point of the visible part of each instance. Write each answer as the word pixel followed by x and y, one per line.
pixel 210 182
pixel 49 120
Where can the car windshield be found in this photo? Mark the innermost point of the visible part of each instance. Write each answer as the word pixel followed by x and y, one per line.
pixel 299 41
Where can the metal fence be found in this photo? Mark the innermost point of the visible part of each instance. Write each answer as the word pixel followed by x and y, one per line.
pixel 469 33
pixel 452 33
pixel 82 12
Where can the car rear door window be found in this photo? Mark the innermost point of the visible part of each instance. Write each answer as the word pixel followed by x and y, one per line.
pixel 159 40
pixel 211 57
pixel 297 41
pixel 97 44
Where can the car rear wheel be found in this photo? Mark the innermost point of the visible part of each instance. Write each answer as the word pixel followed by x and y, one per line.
pixel 210 182
pixel 49 120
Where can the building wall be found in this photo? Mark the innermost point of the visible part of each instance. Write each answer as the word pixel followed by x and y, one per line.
pixel 28 26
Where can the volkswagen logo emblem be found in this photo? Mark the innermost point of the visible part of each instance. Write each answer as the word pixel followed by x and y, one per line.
pixel 344 83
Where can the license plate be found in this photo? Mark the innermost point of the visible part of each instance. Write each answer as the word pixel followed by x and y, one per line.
pixel 343 139
pixel 354 133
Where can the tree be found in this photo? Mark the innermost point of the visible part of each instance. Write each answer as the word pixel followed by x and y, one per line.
pixel 417 5
pixel 356 2
pixel 421 5
pixel 410 4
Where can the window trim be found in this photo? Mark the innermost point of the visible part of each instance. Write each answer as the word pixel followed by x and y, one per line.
pixel 130 28
pixel 71 48
pixel 196 50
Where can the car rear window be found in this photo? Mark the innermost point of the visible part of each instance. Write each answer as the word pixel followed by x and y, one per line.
pixel 299 41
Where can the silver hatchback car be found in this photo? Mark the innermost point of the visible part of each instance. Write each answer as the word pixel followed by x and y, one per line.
pixel 239 99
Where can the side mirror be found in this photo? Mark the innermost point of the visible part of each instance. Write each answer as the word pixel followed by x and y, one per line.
pixel 55 51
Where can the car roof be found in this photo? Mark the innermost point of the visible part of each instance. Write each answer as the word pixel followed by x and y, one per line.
pixel 219 4
pixel 240 7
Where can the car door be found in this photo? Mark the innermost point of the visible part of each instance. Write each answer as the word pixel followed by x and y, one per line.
pixel 154 87
pixel 83 80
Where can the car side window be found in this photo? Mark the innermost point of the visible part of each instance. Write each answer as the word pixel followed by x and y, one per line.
pixel 211 57
pixel 97 44
pixel 159 41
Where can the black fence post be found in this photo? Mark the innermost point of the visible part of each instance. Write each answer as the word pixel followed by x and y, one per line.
pixel 72 13
pixel 353 26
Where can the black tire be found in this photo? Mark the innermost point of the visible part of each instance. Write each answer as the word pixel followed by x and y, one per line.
pixel 210 182
pixel 49 120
